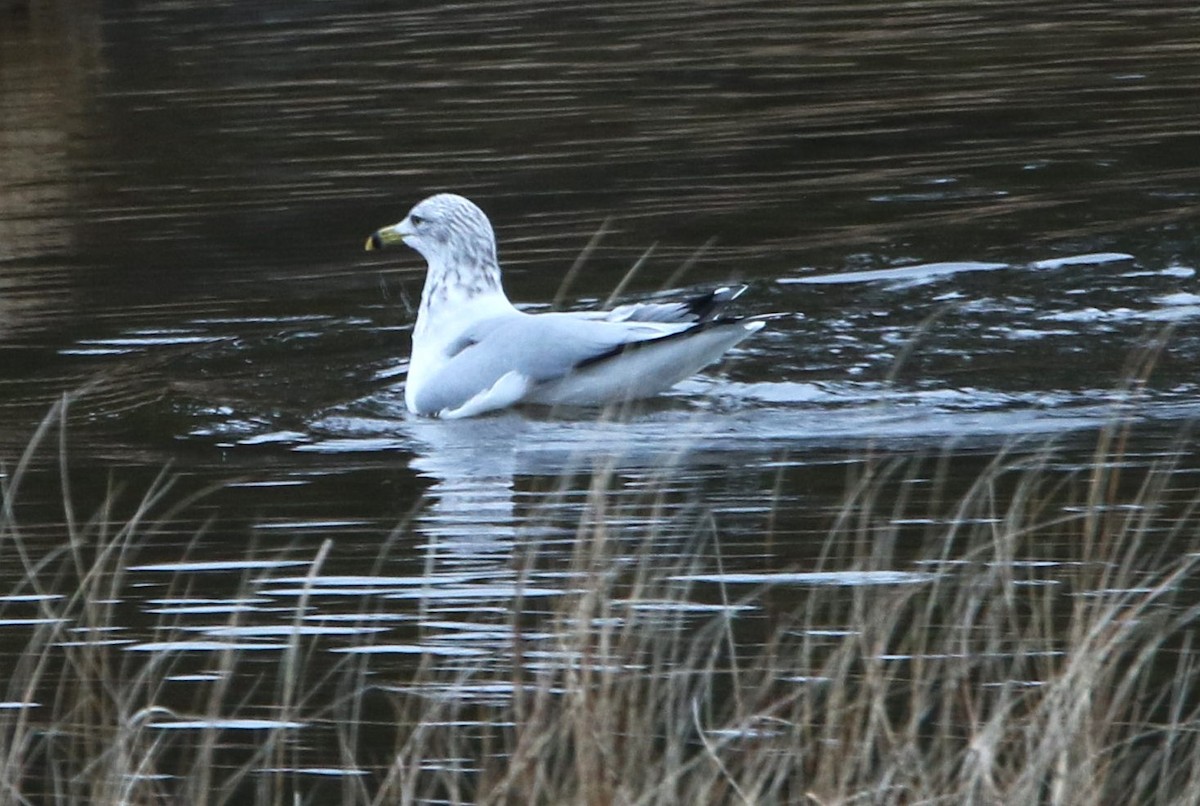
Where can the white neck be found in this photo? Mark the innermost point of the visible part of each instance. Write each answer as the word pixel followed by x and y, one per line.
pixel 451 288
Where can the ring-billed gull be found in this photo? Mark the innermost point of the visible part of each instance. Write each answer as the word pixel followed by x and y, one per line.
pixel 473 352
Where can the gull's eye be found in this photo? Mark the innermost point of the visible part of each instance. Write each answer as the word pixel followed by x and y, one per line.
pixel 416 220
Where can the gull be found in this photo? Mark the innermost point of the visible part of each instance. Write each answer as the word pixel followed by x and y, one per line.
pixel 473 352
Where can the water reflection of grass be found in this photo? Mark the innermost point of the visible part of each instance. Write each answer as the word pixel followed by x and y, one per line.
pixel 1025 641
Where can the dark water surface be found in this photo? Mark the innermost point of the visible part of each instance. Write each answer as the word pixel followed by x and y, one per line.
pixel 973 217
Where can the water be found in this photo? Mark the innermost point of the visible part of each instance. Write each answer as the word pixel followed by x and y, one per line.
pixel 973 220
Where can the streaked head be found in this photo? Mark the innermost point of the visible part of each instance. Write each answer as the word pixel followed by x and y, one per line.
pixel 446 229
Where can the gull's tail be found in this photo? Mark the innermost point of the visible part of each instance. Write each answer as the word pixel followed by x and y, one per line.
pixel 645 368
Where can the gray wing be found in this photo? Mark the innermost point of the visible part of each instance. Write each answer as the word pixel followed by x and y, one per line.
pixel 702 308
pixel 537 347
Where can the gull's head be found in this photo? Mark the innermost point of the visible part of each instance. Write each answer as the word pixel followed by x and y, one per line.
pixel 447 229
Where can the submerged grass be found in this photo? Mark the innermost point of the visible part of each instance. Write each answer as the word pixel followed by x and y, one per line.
pixel 1024 637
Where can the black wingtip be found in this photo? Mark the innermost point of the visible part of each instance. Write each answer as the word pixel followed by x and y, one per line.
pixel 708 306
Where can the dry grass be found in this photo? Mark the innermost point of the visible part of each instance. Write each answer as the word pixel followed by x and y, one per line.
pixel 981 677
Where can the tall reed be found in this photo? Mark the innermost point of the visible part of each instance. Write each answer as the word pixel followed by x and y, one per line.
pixel 1025 637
